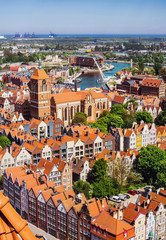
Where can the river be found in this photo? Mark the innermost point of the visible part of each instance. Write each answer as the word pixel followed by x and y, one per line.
pixel 90 79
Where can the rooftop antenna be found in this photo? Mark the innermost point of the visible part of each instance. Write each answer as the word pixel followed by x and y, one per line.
pixel 40 63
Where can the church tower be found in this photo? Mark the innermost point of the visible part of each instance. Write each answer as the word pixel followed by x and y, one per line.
pixel 40 93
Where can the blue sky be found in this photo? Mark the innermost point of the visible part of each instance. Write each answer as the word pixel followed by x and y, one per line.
pixel 83 16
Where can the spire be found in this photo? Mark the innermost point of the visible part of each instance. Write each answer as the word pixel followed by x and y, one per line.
pixel 40 63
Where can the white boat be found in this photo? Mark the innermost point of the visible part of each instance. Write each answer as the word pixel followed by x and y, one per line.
pixel 2 37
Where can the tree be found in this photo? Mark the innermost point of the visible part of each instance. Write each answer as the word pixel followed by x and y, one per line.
pixel 145 116
pixel 128 120
pixel 161 119
pixel 134 178
pixel 80 117
pixel 71 71
pixel 4 141
pixel 157 67
pixel 106 187
pixel 115 121
pixel 83 187
pixel 117 109
pixel 151 161
pixel 141 66
pixel 163 71
pixel 99 171
pixel 104 113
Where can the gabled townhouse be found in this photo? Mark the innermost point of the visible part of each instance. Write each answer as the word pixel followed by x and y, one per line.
pixel 153 110
pixel 35 152
pixel 137 220
pixel 7 160
pixel 73 222
pixel 56 171
pixel 45 150
pixel 143 128
pixel 62 213
pixel 129 139
pixel 152 134
pixel 89 211
pixel 38 128
pixel 20 155
pixel 80 169
pixel 106 226
pixel 52 204
pixel 42 208
pixel 118 134
pixel 32 201
pixel 150 217
pixel 161 134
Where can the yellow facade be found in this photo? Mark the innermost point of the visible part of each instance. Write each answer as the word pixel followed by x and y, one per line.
pixel 138 141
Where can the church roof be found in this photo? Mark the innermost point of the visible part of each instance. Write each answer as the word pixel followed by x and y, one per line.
pixel 40 74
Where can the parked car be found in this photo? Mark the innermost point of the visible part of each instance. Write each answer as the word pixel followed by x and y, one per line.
pixel 127 196
pixel 132 192
pixel 137 192
pixel 115 199
pixel 122 196
pixel 147 188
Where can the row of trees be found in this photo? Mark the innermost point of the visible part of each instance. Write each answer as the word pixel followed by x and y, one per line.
pixel 99 183
pixel 118 117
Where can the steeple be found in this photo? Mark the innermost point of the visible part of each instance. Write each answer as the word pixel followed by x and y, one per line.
pixel 40 63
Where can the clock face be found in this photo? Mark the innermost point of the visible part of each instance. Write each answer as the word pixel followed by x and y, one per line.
pixel 44 81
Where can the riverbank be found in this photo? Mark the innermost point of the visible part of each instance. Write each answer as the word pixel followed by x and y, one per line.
pixel 118 61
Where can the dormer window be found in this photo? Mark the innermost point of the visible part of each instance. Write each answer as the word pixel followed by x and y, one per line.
pixel 125 234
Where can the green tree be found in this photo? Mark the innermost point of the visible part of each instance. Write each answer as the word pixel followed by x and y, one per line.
pixel 4 141
pixel 83 187
pixel 104 113
pixel 161 119
pixel 145 116
pixel 163 71
pixel 80 117
pixel 134 178
pixel 151 161
pixel 115 121
pixel 117 109
pixel 71 71
pixel 128 120
pixel 157 67
pixel 141 66
pixel 99 171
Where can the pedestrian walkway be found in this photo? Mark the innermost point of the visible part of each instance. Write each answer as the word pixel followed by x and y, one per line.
pixel 37 230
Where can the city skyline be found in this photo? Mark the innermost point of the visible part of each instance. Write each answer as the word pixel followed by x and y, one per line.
pixel 83 17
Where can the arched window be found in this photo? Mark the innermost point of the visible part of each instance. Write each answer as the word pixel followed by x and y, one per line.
pixel 41 88
pixel 98 106
pixel 78 109
pixel 71 112
pixel 65 113
pixel 90 111
pixel 103 105
pixel 45 87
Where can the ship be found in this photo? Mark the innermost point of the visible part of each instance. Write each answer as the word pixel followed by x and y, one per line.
pixel 52 35
pixel 2 37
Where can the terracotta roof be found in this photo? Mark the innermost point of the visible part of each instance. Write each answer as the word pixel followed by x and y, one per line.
pixel 119 99
pixel 129 215
pixel 151 82
pixel 115 227
pixel 10 222
pixel 66 97
pixel 68 204
pixel 40 74
pixel 61 166
pixel 163 145
pixel 58 198
pixel 158 198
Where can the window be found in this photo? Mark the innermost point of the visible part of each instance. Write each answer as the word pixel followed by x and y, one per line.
pixel 90 111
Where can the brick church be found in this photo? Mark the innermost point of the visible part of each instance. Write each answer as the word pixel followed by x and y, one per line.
pixel 63 105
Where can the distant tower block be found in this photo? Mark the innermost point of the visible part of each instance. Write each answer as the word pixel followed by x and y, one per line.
pixel 40 93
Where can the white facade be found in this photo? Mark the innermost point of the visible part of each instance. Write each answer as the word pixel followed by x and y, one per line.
pixel 23 157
